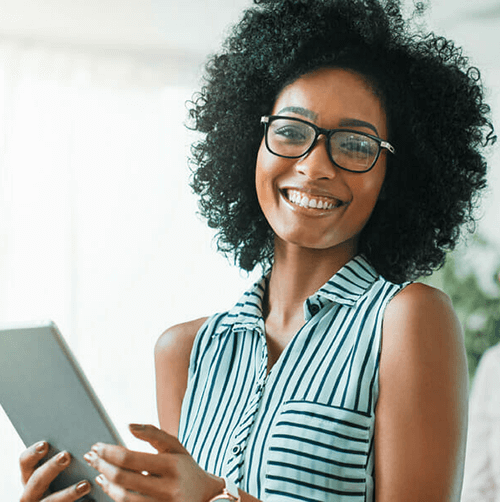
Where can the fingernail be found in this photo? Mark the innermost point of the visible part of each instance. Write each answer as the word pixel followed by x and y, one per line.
pixel 100 480
pixel 83 487
pixel 89 457
pixel 137 427
pixel 40 447
pixel 97 448
pixel 62 458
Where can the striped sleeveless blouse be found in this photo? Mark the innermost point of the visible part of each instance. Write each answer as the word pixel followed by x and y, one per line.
pixel 305 430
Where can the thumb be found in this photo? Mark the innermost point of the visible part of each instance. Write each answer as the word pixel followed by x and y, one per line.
pixel 158 439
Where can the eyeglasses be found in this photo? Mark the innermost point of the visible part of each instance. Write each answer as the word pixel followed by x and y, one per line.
pixel 348 149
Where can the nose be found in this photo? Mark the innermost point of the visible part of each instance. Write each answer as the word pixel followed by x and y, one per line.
pixel 317 164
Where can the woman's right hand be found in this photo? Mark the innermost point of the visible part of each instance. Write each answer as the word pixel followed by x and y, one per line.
pixel 36 479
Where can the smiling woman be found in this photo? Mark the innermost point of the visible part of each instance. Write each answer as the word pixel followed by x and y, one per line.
pixel 341 152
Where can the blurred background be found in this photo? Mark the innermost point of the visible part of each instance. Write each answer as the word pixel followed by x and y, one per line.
pixel 98 228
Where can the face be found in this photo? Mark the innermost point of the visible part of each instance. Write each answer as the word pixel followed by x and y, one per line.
pixel 288 189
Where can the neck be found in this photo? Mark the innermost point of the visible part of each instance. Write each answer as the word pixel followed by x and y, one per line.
pixel 298 273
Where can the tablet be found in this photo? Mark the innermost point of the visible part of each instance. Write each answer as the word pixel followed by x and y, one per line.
pixel 46 396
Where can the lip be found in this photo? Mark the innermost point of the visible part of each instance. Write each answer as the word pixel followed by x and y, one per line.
pixel 318 195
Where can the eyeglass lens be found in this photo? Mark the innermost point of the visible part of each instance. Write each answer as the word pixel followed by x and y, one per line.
pixel 291 138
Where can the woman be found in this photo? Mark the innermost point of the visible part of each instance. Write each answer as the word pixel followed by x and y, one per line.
pixel 341 153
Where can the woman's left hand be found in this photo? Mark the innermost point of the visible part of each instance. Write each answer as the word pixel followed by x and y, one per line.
pixel 170 474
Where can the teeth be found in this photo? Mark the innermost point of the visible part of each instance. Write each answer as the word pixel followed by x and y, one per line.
pixel 296 197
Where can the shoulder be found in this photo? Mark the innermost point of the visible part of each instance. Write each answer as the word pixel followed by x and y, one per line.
pixel 179 339
pixel 416 295
pixel 421 329
pixel 421 309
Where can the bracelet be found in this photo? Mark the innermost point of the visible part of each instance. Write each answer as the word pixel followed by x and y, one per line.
pixel 229 493
pixel 232 489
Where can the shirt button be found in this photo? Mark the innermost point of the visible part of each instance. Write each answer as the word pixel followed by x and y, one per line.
pixel 236 449
pixel 314 309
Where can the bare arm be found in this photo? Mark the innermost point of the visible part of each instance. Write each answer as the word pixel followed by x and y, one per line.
pixel 172 354
pixel 421 423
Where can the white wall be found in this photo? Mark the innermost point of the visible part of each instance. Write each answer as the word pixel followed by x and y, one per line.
pixel 98 227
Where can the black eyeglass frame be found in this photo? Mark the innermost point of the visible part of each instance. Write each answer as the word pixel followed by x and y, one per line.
pixel 328 133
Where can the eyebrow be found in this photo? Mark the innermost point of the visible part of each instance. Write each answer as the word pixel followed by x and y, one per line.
pixel 301 111
pixel 346 122
pixel 358 123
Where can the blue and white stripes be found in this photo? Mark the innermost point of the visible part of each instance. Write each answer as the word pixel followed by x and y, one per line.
pixel 305 430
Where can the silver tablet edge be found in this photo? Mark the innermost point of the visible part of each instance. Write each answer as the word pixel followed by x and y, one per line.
pixel 81 375
pixel 76 366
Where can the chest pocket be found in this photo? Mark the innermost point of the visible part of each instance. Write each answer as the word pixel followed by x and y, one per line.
pixel 317 453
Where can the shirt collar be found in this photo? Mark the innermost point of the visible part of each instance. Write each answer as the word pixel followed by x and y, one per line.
pixel 247 313
pixel 346 287
pixel 350 283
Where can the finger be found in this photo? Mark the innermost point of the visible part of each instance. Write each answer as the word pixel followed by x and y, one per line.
pixel 41 478
pixel 30 458
pixel 71 493
pixel 136 481
pixel 127 459
pixel 118 493
pixel 161 440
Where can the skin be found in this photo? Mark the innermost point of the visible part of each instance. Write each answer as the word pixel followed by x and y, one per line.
pixel 421 411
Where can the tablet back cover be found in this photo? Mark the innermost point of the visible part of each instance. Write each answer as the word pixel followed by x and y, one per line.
pixel 46 396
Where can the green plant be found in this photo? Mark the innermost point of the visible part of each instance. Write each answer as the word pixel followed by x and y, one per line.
pixel 471 278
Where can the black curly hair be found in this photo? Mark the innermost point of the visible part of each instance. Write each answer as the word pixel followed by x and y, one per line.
pixel 437 118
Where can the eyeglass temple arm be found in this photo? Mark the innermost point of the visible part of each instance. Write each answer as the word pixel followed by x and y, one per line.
pixel 389 147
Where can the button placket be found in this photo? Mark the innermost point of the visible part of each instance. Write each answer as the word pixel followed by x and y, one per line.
pixel 235 461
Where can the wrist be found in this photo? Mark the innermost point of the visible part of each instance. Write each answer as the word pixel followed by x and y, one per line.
pixel 216 487
pixel 228 492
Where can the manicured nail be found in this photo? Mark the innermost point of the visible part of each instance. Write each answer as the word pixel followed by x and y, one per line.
pixel 40 447
pixel 97 448
pixel 137 427
pixel 100 480
pixel 62 458
pixel 89 457
pixel 83 487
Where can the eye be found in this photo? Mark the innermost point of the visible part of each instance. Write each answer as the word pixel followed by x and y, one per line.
pixel 354 145
pixel 291 132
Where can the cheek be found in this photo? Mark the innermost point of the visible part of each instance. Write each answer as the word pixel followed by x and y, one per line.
pixel 373 193
pixel 368 191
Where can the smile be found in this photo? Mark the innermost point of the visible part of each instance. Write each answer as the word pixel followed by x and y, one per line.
pixel 302 199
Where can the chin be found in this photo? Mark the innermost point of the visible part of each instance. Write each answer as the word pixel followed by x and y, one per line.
pixel 299 240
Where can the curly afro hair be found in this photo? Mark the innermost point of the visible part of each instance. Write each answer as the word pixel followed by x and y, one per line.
pixel 437 118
